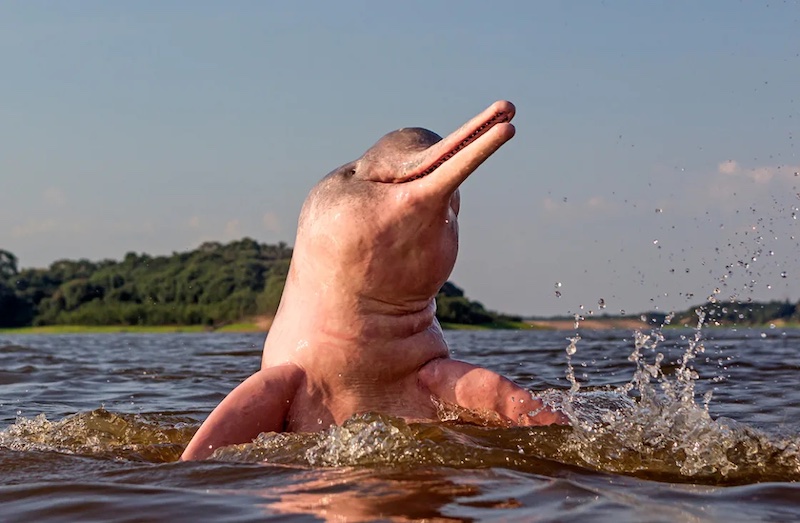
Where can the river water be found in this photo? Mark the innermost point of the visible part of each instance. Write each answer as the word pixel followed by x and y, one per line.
pixel 672 426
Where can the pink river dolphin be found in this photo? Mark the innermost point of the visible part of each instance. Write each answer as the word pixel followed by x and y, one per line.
pixel 356 329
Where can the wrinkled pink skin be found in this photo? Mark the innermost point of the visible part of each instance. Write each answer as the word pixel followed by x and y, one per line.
pixel 356 329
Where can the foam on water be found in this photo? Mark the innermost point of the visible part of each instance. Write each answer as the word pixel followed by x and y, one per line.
pixel 102 433
pixel 653 426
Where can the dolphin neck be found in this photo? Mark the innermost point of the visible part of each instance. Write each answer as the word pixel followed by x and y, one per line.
pixel 341 314
pixel 314 331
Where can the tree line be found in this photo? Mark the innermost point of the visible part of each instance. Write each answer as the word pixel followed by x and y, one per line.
pixel 212 285
pixel 217 284
pixel 742 313
pixel 746 313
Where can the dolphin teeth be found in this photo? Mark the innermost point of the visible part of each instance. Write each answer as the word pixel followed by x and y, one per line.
pixel 497 118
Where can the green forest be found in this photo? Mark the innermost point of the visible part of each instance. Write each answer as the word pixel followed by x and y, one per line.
pixel 743 313
pixel 747 313
pixel 213 285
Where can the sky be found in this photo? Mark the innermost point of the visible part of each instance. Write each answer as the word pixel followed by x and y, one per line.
pixel 655 162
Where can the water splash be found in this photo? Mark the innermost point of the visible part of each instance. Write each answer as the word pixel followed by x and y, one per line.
pixel 365 440
pixel 156 438
pixel 653 426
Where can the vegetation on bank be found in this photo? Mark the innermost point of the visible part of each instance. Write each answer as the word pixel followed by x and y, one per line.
pixel 713 314
pixel 233 327
pixel 732 314
pixel 223 286
pixel 105 329
pixel 214 287
pixel 721 314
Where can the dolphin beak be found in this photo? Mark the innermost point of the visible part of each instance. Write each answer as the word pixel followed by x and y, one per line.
pixel 450 161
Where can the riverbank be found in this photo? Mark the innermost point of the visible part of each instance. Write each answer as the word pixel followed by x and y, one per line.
pixel 258 325
pixel 133 329
pixel 263 326
pixel 589 324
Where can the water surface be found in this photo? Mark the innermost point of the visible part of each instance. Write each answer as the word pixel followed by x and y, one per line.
pixel 91 427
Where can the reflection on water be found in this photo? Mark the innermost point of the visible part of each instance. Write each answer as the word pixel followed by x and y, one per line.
pixel 92 424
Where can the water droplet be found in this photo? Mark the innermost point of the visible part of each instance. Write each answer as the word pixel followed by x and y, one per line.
pixel 655 242
pixel 558 294
pixel 659 211
pixel 601 303
pixel 558 284
pixel 783 274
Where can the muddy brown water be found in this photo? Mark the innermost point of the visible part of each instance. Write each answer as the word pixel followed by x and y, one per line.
pixel 91 427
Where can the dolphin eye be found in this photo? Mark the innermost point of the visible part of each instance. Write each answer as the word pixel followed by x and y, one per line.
pixel 348 171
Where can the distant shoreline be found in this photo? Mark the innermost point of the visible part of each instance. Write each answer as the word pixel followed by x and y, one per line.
pixel 590 324
pixel 261 325
pixel 131 329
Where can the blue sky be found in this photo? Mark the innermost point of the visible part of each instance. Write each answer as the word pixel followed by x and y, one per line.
pixel 656 151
